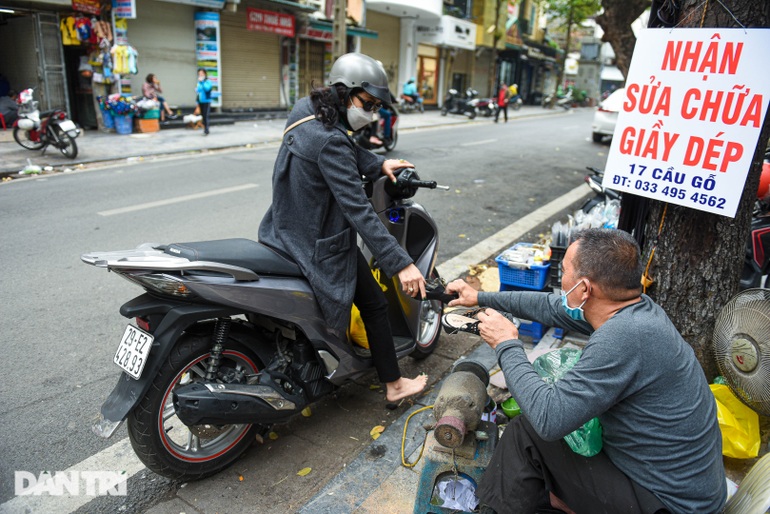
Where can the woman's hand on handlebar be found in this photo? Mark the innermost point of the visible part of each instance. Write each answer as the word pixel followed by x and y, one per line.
pixel 412 281
pixel 391 165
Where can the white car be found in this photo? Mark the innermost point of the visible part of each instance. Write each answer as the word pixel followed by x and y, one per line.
pixel 606 115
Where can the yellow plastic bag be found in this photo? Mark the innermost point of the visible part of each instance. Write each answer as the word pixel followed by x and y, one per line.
pixel 357 331
pixel 738 423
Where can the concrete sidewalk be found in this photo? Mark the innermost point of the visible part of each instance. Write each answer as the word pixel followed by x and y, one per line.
pixel 97 148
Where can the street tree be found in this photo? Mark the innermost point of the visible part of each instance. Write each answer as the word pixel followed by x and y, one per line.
pixel 698 256
pixel 568 14
pixel 615 20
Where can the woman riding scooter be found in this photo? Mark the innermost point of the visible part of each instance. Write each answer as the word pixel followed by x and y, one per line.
pixel 319 207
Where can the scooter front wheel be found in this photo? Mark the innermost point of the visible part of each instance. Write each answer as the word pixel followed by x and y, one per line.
pixel 67 146
pixel 23 138
pixel 430 327
pixel 390 144
pixel 165 444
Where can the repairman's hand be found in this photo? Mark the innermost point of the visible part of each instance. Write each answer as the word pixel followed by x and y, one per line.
pixel 467 296
pixel 496 328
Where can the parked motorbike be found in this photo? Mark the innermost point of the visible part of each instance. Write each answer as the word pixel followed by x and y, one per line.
pixel 35 130
pixel 515 103
pixel 455 104
pixel 594 181
pixel 228 338
pixel 484 106
pixel 563 101
pixel 376 130
pixel 408 104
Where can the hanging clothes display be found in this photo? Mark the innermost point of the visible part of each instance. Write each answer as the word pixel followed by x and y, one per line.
pixel 69 35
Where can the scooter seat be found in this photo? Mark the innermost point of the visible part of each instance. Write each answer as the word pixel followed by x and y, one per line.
pixel 245 253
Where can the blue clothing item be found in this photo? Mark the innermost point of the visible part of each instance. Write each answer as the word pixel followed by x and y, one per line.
pixel 642 380
pixel 204 91
pixel 386 118
pixel 410 89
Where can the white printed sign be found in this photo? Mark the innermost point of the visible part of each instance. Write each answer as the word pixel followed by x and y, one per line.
pixel 694 105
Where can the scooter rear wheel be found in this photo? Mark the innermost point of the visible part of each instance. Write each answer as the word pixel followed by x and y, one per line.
pixel 22 137
pixel 165 444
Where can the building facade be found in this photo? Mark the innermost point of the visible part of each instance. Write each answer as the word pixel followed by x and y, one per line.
pixel 263 54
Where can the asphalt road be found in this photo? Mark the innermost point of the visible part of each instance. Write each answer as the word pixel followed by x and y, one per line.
pixel 59 318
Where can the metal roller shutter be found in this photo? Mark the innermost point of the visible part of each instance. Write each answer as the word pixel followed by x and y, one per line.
pixel 311 67
pixel 250 65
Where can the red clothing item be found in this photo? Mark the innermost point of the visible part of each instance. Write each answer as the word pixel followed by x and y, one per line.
pixel 502 96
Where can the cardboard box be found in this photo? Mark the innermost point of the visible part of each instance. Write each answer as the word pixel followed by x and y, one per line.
pixel 145 125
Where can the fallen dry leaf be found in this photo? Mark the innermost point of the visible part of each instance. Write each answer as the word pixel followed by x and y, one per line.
pixel 304 471
pixel 376 431
pixel 259 439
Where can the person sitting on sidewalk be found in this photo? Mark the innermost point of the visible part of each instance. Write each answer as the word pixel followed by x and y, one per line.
pixel 151 89
pixel 9 108
pixel 662 446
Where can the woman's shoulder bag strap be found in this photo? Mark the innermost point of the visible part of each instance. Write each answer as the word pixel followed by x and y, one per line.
pixel 299 122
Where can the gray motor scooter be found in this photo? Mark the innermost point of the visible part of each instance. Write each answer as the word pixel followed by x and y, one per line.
pixel 228 338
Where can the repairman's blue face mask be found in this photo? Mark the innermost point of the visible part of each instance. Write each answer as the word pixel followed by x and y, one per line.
pixel 575 313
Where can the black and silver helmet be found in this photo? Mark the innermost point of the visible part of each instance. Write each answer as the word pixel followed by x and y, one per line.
pixel 361 71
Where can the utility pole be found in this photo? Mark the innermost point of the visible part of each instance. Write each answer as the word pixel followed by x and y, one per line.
pixel 339 29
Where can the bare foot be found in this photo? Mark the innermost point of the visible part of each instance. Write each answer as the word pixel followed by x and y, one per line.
pixel 404 387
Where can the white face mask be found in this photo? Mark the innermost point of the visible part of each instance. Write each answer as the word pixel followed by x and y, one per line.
pixel 358 118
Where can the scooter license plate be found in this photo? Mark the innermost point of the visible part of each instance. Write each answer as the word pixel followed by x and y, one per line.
pixel 133 350
pixel 67 125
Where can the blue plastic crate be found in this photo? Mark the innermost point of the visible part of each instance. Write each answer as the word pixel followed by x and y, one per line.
pixel 533 278
pixel 532 329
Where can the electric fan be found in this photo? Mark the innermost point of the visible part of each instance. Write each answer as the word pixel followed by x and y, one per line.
pixel 742 347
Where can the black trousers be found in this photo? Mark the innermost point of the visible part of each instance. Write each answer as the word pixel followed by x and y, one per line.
pixel 525 469
pixel 503 108
pixel 205 109
pixel 373 305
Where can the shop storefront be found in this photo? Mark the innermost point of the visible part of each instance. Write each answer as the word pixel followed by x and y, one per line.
pixel 251 59
pixel 444 57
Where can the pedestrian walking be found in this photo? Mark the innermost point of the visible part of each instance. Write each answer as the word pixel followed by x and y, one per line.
pixel 203 89
pixel 503 95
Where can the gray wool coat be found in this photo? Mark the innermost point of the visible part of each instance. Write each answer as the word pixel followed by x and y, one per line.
pixel 318 208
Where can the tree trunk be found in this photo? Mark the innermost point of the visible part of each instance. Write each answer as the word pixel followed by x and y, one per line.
pixel 699 256
pixel 616 22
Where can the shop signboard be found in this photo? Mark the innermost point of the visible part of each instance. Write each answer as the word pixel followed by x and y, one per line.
pixel 694 107
pixel 267 21
pixel 87 6
pixel 207 51
pixel 315 34
pixel 124 9
pixel 450 31
pixel 211 4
